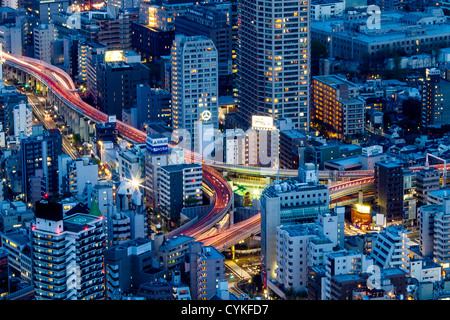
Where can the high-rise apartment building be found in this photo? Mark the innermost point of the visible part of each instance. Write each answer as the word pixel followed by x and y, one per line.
pixel 273 60
pixel 336 106
pixel 40 151
pixel 195 113
pixel 67 254
pixel 285 202
pixel 434 227
pixel 389 190
pixel 207 268
pixel 435 99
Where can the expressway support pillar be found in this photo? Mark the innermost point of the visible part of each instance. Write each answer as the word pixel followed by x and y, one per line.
pixel 233 252
pixel 268 180
pixel 360 197
pixel 82 129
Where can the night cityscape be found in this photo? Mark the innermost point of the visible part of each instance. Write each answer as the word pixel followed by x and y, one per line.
pixel 243 151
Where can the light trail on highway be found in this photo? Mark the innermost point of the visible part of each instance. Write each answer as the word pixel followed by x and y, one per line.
pixel 63 86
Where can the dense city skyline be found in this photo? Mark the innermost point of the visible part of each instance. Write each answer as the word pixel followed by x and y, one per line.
pixel 240 150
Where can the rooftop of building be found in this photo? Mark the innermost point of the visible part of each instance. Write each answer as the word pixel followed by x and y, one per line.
pixel 393 26
pixel 440 193
pixel 180 167
pixel 210 252
pixel 299 230
pixel 77 222
pixel 334 80
pixel 291 185
pixel 343 253
pixel 176 241
pixel 346 161
pixel 294 134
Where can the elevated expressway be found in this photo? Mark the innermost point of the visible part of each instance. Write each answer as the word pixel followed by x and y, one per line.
pixel 56 84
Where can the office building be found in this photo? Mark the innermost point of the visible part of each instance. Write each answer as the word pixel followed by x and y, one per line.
pixel 91 55
pixel 44 10
pixel 406 31
pixel 116 85
pixel 425 270
pixel 390 248
pixel 427 179
pixel 18 246
pixel 44 35
pixel 150 42
pixel 153 105
pixel 180 186
pixel 11 38
pixel 371 155
pixel 409 198
pixel 435 99
pixel 426 216
pixel 285 202
pixel 292 149
pixel 235 147
pixel 335 106
pixel 132 163
pixel 273 75
pixel 110 26
pixel 157 154
pixel 40 151
pixel 389 191
pixel 14 216
pixel 325 9
pixel 206 269
pixel 214 24
pixel 194 81
pixel 73 268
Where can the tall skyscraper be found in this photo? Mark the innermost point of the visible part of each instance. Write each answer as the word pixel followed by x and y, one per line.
pixel 194 90
pixel 274 60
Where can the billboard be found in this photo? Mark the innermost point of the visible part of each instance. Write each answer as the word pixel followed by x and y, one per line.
pixel 113 56
pixel 262 122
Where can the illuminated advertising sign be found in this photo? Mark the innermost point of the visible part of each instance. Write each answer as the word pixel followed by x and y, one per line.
pixel 362 209
pixel 262 122
pixel 205 115
pixel 114 56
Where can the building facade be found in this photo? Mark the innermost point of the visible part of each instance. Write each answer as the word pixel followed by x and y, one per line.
pixel 272 75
